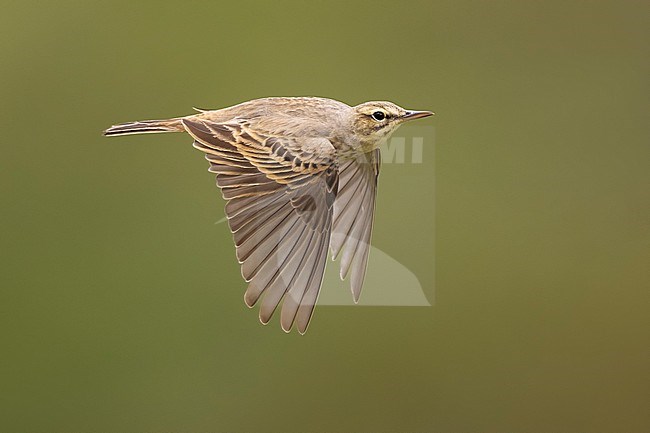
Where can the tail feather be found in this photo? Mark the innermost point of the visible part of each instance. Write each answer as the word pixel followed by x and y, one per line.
pixel 146 127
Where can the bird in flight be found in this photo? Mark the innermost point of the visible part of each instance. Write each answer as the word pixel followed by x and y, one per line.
pixel 299 176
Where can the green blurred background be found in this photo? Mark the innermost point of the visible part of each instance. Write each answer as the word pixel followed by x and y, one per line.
pixel 121 303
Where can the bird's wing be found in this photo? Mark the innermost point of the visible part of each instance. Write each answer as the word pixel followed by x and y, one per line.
pixel 280 193
pixel 354 210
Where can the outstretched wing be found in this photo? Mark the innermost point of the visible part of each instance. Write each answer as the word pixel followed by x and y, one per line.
pixel 280 193
pixel 354 210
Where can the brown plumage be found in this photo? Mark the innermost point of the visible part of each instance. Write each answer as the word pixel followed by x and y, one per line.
pixel 300 178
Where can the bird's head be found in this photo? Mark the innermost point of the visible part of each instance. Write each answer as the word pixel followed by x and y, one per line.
pixel 376 120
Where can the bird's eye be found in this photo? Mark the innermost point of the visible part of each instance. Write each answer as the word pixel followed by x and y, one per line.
pixel 378 116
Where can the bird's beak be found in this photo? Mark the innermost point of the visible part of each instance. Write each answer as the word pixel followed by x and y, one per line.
pixel 412 115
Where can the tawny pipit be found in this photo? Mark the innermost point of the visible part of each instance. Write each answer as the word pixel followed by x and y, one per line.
pixel 300 177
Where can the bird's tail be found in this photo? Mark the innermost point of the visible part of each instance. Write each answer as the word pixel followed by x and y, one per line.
pixel 146 127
